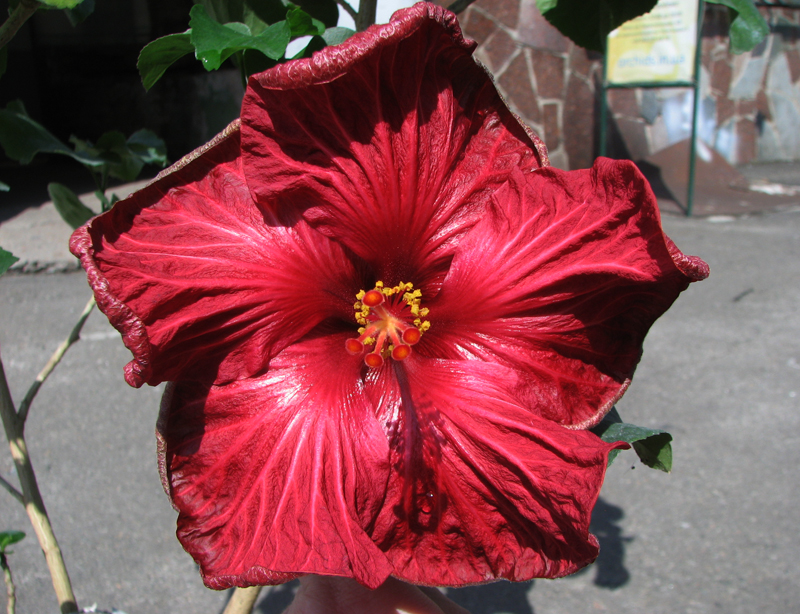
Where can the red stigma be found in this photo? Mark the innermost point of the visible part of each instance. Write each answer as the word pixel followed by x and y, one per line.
pixel 391 322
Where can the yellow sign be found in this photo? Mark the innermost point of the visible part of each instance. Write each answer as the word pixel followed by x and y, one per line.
pixel 656 47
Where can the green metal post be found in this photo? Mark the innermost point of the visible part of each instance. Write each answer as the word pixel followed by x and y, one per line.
pixel 698 53
pixel 604 106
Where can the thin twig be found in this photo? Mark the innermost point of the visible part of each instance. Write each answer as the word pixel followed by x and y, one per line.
pixel 243 600
pixel 74 335
pixel 18 17
pixel 10 488
pixel 459 5
pixel 11 605
pixel 347 8
pixel 32 496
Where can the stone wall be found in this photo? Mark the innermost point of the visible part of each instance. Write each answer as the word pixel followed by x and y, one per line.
pixel 750 103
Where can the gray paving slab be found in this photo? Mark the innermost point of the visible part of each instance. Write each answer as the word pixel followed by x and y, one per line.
pixel 721 371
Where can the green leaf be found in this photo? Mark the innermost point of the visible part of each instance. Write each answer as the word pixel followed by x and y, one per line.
pixel 335 36
pixel 122 163
pixel 656 451
pixel 748 27
pixel 6 260
pixel 4 187
pixel 148 146
pixel 315 44
pixel 62 4
pixel 69 206
pixel 326 11
pixel 9 537
pixel 653 446
pixel 162 53
pixel 214 42
pixel 3 60
pixel 80 12
pixel 588 23
pixel 303 24
pixel 22 138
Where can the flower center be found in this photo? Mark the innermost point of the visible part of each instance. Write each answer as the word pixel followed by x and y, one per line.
pixel 391 322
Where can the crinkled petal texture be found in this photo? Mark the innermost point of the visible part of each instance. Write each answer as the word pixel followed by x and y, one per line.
pixel 203 285
pixel 234 274
pixel 393 163
pixel 431 473
pixel 561 280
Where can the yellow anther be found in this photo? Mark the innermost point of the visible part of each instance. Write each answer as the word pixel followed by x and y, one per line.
pixel 378 284
pixel 360 294
pixel 424 311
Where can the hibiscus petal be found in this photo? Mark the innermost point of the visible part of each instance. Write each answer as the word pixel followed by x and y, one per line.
pixel 482 488
pixel 200 283
pixel 395 163
pixel 278 474
pixel 562 279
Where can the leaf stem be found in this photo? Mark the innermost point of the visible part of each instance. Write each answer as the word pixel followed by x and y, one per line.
pixel 73 336
pixel 366 14
pixel 10 488
pixel 243 600
pixel 459 5
pixel 15 21
pixel 11 604
pixel 347 8
pixel 32 498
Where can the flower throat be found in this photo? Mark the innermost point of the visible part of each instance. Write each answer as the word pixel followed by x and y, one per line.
pixel 391 322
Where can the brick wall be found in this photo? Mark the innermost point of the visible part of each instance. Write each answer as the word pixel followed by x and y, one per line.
pixel 750 103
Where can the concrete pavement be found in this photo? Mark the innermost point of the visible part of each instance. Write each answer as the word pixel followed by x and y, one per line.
pixel 721 372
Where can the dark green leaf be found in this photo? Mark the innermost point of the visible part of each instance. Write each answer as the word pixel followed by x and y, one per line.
pixel 69 206
pixel 22 138
pixel 315 44
pixel 80 12
pixel 214 42
pixel 148 146
pixel 255 62
pixel 9 537
pixel 6 260
pixel 326 11
pixel 303 24
pixel 656 451
pixel 588 23
pixel 3 60
pixel 335 36
pixel 121 161
pixel 258 14
pixel 61 4
pixel 652 445
pixel 159 55
pixel 748 27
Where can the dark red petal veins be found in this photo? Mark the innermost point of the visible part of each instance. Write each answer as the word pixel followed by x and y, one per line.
pixel 481 488
pixel 562 279
pixel 279 474
pixel 200 284
pixel 390 143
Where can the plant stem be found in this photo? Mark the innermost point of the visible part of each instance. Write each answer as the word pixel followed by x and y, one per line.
pixel 11 605
pixel 243 600
pixel 459 5
pixel 32 498
pixel 18 17
pixel 347 8
pixel 366 14
pixel 10 488
pixel 73 336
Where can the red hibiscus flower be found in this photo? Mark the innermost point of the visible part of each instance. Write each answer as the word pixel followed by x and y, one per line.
pixel 385 322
